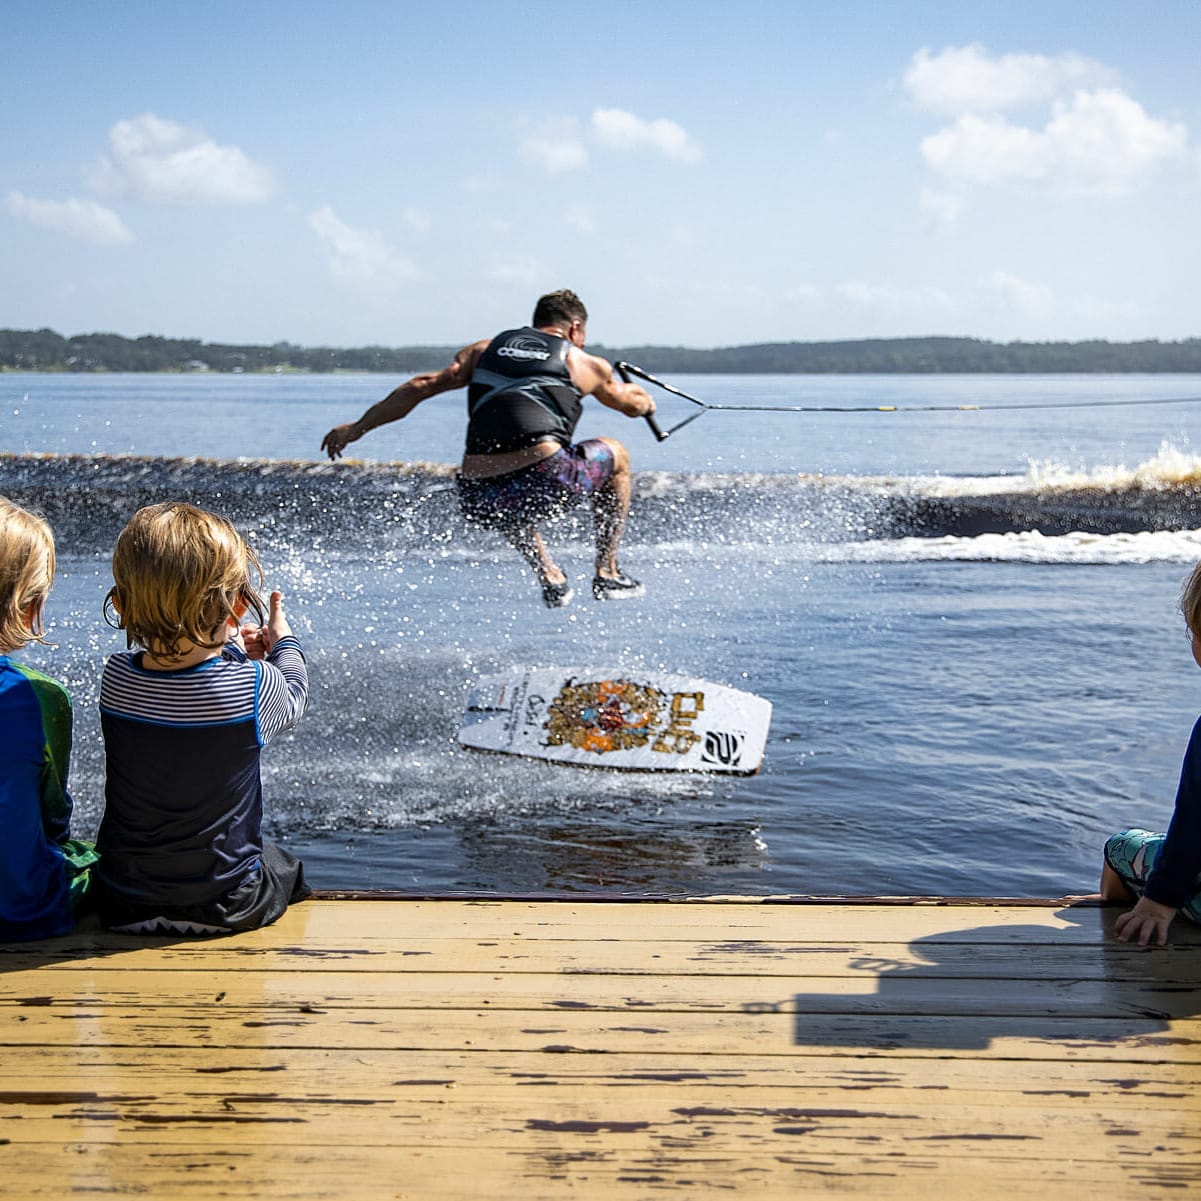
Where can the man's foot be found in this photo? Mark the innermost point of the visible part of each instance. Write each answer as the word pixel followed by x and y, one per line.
pixel 619 587
pixel 555 596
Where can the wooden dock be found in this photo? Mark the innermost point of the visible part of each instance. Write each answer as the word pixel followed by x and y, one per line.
pixel 535 1048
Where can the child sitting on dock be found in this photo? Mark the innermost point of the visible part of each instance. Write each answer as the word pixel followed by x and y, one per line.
pixel 44 873
pixel 184 720
pixel 1163 871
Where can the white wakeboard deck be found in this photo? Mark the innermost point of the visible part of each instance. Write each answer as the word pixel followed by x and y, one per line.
pixel 632 721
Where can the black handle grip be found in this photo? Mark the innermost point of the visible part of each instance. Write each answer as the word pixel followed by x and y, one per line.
pixel 660 436
pixel 650 420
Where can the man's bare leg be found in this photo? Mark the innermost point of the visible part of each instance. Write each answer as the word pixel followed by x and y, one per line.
pixel 610 508
pixel 529 544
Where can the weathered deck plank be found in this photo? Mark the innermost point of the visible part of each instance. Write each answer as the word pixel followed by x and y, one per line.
pixel 129 995
pixel 597 1165
pixel 325 1073
pixel 451 1049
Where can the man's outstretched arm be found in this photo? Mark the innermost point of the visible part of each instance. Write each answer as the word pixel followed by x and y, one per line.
pixel 404 399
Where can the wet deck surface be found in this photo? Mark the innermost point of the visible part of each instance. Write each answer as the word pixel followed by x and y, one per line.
pixel 395 1048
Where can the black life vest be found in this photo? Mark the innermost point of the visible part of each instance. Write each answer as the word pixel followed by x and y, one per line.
pixel 521 393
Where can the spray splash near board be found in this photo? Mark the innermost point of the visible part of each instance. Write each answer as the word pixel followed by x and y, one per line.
pixel 629 721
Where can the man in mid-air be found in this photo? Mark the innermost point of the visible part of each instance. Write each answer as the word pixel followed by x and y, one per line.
pixel 525 389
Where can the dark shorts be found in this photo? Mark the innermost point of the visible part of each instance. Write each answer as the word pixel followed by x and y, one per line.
pixel 549 487
pixel 258 901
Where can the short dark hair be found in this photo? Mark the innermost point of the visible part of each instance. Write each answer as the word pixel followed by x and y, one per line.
pixel 555 307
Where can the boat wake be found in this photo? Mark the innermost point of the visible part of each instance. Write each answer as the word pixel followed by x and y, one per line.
pixel 1050 514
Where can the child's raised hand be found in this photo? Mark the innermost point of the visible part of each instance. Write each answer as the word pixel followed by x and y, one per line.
pixel 250 638
pixel 277 626
pixel 258 640
pixel 240 637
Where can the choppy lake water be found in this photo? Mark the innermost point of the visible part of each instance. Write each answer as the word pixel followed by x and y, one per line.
pixel 965 622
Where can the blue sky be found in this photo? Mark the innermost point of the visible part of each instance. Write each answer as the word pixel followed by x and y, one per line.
pixel 703 174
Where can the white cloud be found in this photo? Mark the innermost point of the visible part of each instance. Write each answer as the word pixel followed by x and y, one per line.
pixel 888 298
pixel 417 220
pixel 1018 295
pixel 616 129
pixel 1096 138
pixel 524 271
pixel 82 219
pixel 561 145
pixel 685 236
pixel 1115 313
pixel 481 184
pixel 360 256
pixel 160 162
pixel 964 79
pixel 803 293
pixel 555 146
pixel 940 209
pixel 1101 141
pixel 580 217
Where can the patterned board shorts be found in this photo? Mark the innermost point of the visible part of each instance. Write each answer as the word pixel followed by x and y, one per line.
pixel 549 487
pixel 1132 854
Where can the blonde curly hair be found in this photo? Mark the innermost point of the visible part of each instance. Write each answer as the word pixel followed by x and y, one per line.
pixel 179 573
pixel 26 573
pixel 1190 602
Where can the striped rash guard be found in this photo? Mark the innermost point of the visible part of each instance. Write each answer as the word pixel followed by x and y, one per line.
pixel 182 826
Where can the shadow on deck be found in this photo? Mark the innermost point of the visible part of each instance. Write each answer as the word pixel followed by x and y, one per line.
pixel 399 1047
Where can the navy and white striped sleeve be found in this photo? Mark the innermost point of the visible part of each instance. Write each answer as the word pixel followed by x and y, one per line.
pixel 283 689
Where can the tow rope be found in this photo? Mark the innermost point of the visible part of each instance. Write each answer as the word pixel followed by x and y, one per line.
pixel 626 370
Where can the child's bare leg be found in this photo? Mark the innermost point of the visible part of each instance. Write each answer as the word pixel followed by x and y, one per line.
pixel 1112 888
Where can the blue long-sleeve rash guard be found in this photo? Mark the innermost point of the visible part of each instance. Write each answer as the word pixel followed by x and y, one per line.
pixel 1173 879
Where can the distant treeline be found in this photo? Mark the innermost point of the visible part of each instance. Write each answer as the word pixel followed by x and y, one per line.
pixel 44 350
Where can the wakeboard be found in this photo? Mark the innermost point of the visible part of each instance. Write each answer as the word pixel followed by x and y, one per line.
pixel 625 720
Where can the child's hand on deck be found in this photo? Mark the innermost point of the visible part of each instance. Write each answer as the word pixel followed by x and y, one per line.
pixel 1147 918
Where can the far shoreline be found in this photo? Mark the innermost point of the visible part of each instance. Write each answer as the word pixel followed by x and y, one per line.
pixel 46 352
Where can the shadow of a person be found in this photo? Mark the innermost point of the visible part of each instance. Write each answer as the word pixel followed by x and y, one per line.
pixel 1063 981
